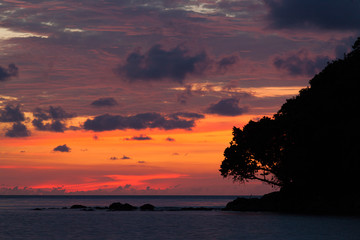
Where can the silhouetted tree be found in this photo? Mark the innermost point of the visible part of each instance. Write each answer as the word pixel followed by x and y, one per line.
pixel 312 142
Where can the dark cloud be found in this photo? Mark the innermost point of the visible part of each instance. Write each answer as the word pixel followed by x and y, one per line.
pixel 141 137
pixel 56 117
pixel 52 113
pixel 226 107
pixel 104 102
pixel 109 122
pixel 11 114
pixel 53 126
pixel 169 139
pixel 226 62
pixel 330 14
pixel 158 64
pixel 7 73
pixel 18 130
pixel 299 64
pixel 62 148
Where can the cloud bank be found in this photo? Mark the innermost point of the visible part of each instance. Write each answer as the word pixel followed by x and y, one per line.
pixel 299 64
pixel 109 122
pixel 329 14
pixel 159 64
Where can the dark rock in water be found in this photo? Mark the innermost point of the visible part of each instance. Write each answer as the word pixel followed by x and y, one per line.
pixel 291 201
pixel 244 204
pixel 37 209
pixel 147 207
pixel 269 202
pixel 121 207
pixel 77 206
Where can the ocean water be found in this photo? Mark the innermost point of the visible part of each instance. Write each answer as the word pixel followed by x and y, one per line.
pixel 19 220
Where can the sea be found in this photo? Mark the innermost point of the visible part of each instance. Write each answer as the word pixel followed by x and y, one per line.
pixel 50 217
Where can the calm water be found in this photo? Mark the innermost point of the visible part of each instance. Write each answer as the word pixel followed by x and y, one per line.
pixel 19 221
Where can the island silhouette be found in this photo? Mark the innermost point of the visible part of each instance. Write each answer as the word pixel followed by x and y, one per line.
pixel 310 148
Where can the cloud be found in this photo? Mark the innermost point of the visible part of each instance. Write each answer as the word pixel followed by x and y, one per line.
pixel 226 62
pixel 109 122
pixel 141 137
pixel 104 102
pixel 330 14
pixel 141 162
pixel 169 139
pixel 56 115
pixel 159 64
pixel 11 114
pixel 62 148
pixel 186 115
pixel 226 107
pixel 52 113
pixel 54 126
pixel 183 97
pixel 6 74
pixel 18 130
pixel 124 157
pixel 299 64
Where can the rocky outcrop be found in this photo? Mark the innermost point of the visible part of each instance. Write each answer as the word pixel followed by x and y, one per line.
pixel 121 207
pixel 298 202
pixel 147 207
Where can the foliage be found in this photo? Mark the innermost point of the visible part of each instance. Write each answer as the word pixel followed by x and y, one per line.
pixel 312 142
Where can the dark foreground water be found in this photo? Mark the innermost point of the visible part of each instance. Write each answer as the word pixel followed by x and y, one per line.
pixel 18 220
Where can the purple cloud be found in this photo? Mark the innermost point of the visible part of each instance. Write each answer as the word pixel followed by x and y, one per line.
pixel 104 102
pixel 109 122
pixel 56 115
pixel 158 64
pixel 226 107
pixel 11 114
pixel 330 14
pixel 299 64
pixel 18 130
pixel 9 72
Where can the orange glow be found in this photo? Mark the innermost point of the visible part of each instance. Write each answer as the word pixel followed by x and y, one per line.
pixel 117 180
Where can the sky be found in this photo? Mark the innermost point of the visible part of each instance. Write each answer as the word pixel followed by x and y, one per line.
pixel 140 96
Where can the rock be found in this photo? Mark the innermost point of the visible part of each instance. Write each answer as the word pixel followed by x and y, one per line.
pixel 147 207
pixel 121 207
pixel 244 204
pixel 77 206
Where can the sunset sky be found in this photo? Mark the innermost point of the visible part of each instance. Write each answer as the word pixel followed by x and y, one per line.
pixel 140 97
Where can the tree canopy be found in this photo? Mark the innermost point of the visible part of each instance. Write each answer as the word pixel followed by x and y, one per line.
pixel 312 142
